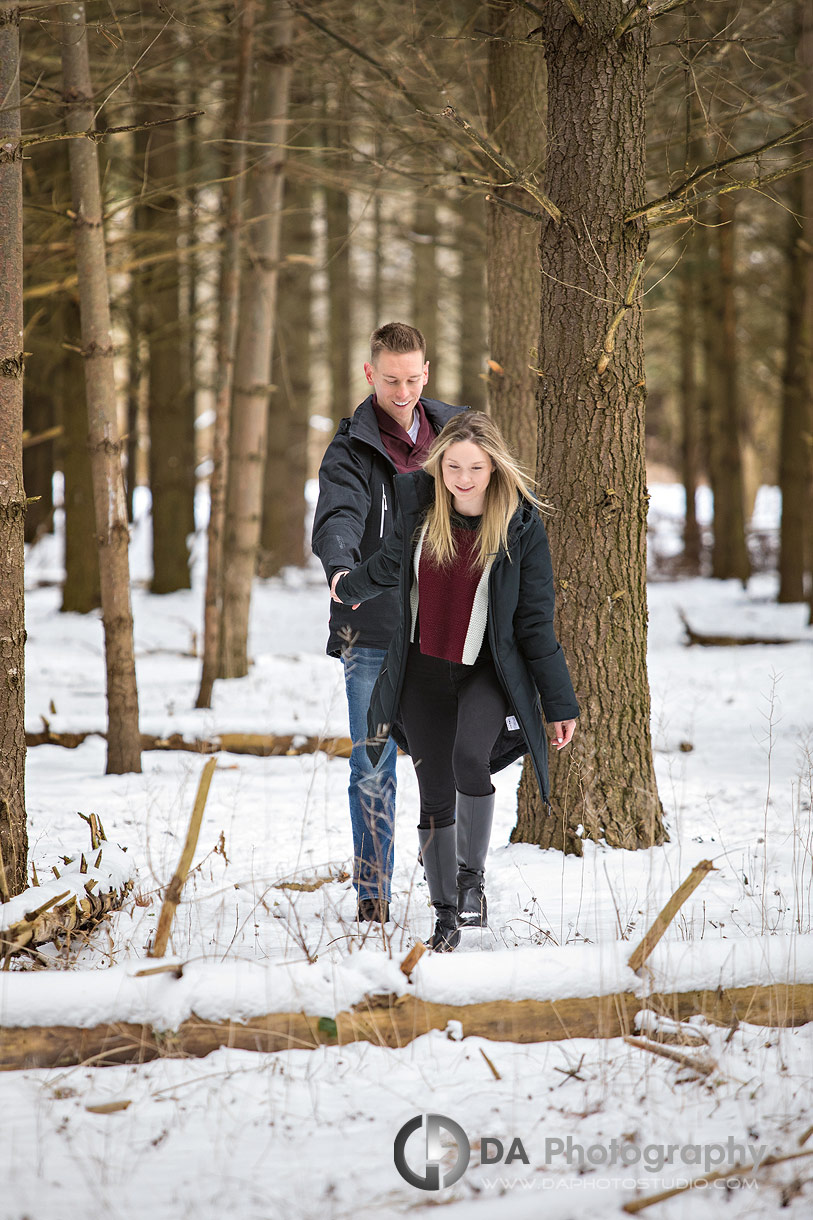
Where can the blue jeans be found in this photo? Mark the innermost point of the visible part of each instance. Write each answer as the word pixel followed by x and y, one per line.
pixel 372 789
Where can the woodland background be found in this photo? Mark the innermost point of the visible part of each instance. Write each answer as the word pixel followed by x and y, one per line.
pixel 551 191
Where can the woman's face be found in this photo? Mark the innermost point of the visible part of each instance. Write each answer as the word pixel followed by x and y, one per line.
pixel 466 472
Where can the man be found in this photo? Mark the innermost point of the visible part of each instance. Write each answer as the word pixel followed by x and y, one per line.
pixel 390 433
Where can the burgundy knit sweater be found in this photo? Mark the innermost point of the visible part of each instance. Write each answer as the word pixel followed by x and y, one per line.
pixel 446 597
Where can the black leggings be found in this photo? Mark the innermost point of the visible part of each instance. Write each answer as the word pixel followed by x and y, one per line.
pixel 452 714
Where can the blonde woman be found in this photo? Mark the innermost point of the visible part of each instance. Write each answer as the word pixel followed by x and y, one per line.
pixel 473 655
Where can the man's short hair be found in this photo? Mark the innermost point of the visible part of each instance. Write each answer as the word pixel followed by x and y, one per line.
pixel 396 337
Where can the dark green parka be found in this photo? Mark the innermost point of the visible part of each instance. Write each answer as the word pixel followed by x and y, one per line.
pixel 528 658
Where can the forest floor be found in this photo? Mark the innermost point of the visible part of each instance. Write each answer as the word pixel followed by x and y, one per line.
pixel 309 1133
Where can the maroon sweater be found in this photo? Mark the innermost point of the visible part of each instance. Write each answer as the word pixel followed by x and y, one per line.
pixel 398 443
pixel 447 596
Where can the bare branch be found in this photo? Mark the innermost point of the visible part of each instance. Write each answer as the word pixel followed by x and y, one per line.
pixel 11 151
pixel 505 203
pixel 516 176
pixel 737 184
pixel 640 8
pixel 578 15
pixel 684 188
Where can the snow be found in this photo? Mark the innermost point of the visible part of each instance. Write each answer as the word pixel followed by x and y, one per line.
pixel 310 1133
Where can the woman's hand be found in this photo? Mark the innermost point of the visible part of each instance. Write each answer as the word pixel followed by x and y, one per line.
pixel 563 731
pixel 336 578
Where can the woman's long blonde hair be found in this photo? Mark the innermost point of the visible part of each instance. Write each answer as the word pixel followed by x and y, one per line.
pixel 508 485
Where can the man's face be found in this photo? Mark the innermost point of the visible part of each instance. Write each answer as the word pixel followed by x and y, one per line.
pixel 397 379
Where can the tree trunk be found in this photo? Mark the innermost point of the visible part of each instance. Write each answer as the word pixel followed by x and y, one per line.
pixel 425 276
pixel 472 299
pixel 729 555
pixel 591 429
pixel 229 301
pixel 123 740
pixel 286 468
pixel 517 102
pixel 339 279
pixel 82 590
pixel 794 457
pixel 687 328
pixel 38 458
pixel 13 832
pixel 252 373
pixel 171 424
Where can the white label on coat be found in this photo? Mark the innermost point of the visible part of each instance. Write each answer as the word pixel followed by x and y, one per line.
pixel 512 724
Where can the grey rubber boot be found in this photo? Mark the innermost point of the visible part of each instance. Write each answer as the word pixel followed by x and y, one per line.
pixel 440 866
pixel 475 815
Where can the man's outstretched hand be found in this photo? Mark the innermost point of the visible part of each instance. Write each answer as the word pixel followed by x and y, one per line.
pixel 336 578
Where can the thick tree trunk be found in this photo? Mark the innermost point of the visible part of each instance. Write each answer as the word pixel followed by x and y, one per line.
pixel 591 429
pixel 229 302
pixel 171 424
pixel 472 301
pixel 13 832
pixel 729 554
pixel 252 374
pixel 82 591
pixel 123 740
pixel 517 102
pixel 286 467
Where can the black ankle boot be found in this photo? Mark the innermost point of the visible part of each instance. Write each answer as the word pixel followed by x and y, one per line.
pixel 446 935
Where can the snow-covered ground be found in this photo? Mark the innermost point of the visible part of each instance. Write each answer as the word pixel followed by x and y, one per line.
pixel 303 1133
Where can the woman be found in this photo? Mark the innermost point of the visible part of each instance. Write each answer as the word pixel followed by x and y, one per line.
pixel 473 653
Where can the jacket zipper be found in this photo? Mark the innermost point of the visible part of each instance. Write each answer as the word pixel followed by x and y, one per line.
pixel 383 510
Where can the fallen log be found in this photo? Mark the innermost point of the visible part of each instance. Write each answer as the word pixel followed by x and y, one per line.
pixel 709 640
pixel 395 1021
pixel 265 745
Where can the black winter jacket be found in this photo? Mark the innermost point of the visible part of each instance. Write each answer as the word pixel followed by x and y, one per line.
pixel 528 658
pixel 354 516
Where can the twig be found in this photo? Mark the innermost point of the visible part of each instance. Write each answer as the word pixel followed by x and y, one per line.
pixel 49 434
pixel 173 894
pixel 609 340
pixel 505 203
pixel 494 1071
pixel 638 1205
pixel 516 176
pixel 11 151
pixel 650 939
pixel 630 18
pixel 683 189
pixel 412 958
pixel 703 1067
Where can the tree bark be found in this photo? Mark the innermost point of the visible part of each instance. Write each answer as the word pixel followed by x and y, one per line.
pixel 517 109
pixel 123 741
pixel 286 468
pixel 472 298
pixel 171 423
pixel 229 302
pixel 254 347
pixel 591 429
pixel 82 591
pixel 13 832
